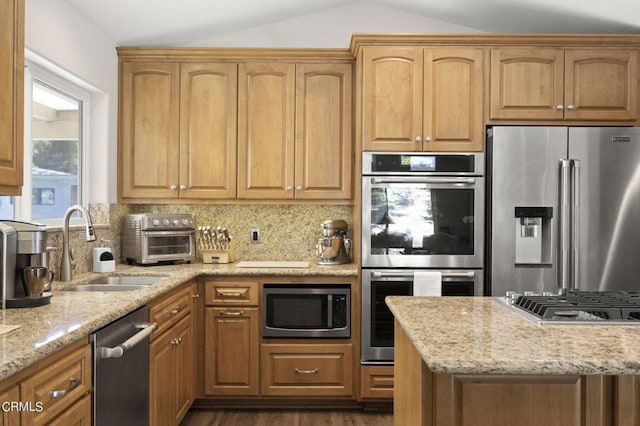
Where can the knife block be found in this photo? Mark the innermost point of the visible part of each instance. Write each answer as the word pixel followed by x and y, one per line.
pixel 218 256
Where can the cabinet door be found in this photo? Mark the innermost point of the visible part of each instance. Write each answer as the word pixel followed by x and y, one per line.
pixel 10 417
pixel 323 131
pixel 149 129
pixel 79 414
pixel 453 99
pixel 184 367
pixel 266 100
pixel 231 351
pixel 526 83
pixel 162 380
pixel 208 120
pixel 601 84
pixel 11 100
pixel 391 98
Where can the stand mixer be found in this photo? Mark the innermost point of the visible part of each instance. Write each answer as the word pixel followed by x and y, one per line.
pixel 334 247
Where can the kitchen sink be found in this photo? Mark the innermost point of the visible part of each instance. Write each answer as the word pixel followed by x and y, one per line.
pixel 118 283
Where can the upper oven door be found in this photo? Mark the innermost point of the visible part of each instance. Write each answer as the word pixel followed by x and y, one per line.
pixel 422 221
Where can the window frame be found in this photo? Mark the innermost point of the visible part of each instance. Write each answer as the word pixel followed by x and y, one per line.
pixel 34 72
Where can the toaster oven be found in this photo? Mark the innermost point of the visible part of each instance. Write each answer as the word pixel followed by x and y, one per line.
pixel 150 238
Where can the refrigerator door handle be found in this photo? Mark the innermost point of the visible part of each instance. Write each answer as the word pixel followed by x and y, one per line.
pixel 564 229
pixel 575 222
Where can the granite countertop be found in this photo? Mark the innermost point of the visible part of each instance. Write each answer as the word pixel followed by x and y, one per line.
pixel 477 335
pixel 72 315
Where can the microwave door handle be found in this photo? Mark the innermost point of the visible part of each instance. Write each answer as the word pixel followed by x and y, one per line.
pixel 428 180
pixel 330 311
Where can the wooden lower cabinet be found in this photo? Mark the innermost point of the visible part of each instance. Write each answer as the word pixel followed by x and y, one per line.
pixel 232 338
pixel 8 416
pixel 79 414
pixel 307 370
pixel 376 382
pixel 422 397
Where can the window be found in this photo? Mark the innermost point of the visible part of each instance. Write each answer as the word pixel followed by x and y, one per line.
pixel 56 117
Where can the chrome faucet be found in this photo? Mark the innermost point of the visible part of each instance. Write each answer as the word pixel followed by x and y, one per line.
pixel 67 256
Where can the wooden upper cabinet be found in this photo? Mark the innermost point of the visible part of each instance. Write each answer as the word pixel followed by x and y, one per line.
pixel 422 99
pixel 453 99
pixel 533 83
pixel 12 95
pixel 323 148
pixel 266 102
pixel 208 120
pixel 391 98
pixel 149 126
pixel 601 84
pixel 178 130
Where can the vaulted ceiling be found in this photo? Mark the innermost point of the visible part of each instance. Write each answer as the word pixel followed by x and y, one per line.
pixel 185 22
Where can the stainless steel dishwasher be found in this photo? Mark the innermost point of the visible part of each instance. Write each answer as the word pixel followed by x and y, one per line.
pixel 121 371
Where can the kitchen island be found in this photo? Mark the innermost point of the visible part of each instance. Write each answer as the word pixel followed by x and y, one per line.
pixel 471 361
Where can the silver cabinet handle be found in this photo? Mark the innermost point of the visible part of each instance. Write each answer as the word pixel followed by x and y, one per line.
pixel 176 310
pixel 173 187
pixel 237 294
pixel 74 382
pixel 195 296
pixel 559 107
pixel 418 139
pixel 571 107
pixel 176 341
pixel 183 187
pixel 299 371
pixel 231 314
pixel 427 139
pixel 118 351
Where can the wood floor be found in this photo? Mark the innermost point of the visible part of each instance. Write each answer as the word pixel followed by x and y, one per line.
pixel 277 417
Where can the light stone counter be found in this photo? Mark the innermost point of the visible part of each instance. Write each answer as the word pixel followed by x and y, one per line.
pixel 476 335
pixel 72 315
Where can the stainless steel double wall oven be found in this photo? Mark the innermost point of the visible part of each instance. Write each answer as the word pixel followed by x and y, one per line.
pixel 420 212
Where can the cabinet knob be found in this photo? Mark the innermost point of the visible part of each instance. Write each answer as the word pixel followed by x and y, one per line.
pixel 427 139
pixel 418 139
pixel 183 187
pixel 299 188
pixel 195 296
pixel 289 188
pixel 571 107
pixel 559 107
pixel 173 187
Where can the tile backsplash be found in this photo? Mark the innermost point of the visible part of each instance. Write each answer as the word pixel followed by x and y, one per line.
pixel 287 232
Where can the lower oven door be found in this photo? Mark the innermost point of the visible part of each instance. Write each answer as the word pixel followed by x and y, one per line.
pixel 377 319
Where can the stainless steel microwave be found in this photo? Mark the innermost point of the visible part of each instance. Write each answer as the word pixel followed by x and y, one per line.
pixel 306 310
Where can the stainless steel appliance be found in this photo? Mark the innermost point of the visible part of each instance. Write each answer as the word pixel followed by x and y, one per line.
pixel 306 310
pixel 420 212
pixel 121 371
pixel 578 307
pixel 334 247
pixel 564 205
pixel 150 238
pixel 27 248
pixel 377 319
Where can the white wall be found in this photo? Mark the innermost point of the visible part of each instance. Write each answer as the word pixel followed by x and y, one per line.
pixel 57 34
pixel 332 28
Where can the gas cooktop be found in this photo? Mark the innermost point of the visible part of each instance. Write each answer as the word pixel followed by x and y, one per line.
pixel 579 307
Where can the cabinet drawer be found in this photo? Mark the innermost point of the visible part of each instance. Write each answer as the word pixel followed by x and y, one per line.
pixel 57 386
pixel 77 415
pixel 168 311
pixel 376 382
pixel 307 370
pixel 232 293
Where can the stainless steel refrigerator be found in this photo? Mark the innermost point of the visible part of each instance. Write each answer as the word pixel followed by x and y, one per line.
pixel 564 209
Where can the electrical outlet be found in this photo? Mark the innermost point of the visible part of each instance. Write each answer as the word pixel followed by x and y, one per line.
pixel 255 236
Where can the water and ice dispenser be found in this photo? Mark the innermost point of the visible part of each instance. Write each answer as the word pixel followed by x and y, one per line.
pixel 533 235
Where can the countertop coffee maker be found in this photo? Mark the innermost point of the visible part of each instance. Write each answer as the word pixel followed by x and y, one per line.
pixel 334 247
pixel 25 276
